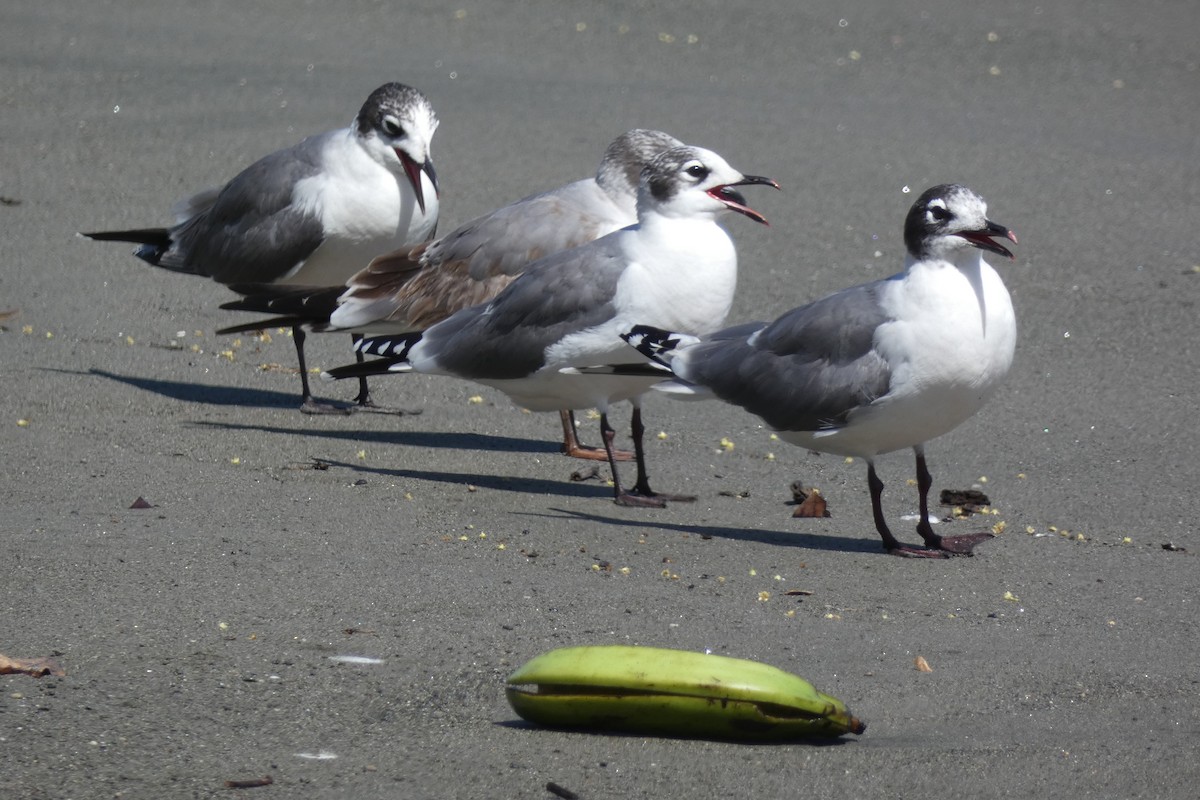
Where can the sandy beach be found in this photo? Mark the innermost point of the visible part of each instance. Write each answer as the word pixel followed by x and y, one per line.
pixel 202 637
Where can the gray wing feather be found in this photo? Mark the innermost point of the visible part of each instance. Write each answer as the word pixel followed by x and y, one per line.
pixel 419 287
pixel 198 203
pixel 507 338
pixel 508 240
pixel 805 371
pixel 251 232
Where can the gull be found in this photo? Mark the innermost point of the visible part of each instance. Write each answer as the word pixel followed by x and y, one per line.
pixel 311 214
pixel 413 288
pixel 875 368
pixel 676 266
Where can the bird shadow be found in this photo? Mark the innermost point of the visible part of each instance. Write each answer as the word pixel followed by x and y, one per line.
pixel 445 440
pixel 807 541
pixel 260 398
pixel 502 483
pixel 197 392
pixel 525 485
pixel 265 398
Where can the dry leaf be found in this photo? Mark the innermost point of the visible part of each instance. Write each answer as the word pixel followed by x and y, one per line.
pixel 921 664
pixel 813 506
pixel 314 463
pixel 970 501
pixel 37 667
pixel 585 474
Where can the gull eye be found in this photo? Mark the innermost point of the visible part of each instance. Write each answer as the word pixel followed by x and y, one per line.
pixel 392 127
pixel 697 171
pixel 939 213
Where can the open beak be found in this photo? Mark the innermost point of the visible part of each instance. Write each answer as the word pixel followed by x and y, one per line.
pixel 733 199
pixel 413 170
pixel 983 238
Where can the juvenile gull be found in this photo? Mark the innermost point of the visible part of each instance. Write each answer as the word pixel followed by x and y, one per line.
pixel 311 214
pixel 414 288
pixel 676 266
pixel 877 367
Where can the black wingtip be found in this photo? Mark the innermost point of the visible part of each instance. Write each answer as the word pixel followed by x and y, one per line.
pixel 156 237
pixel 153 243
pixel 391 347
pixel 651 342
pixel 364 369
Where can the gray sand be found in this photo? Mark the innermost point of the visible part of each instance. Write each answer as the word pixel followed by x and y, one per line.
pixel 197 634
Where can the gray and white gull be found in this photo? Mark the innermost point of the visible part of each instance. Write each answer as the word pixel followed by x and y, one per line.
pixel 313 214
pixel 414 288
pixel 676 267
pixel 875 368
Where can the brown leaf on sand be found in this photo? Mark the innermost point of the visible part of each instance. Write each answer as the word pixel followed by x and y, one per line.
pixel 585 474
pixel 971 501
pixel 37 667
pixel 921 664
pixel 141 502
pixel 812 506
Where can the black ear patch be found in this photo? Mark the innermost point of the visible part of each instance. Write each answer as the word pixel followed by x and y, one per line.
pixel 662 174
pixel 661 186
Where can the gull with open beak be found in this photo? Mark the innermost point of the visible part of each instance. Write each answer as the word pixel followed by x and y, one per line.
pixel 312 214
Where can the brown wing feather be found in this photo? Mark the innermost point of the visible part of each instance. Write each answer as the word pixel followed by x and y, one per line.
pixel 434 294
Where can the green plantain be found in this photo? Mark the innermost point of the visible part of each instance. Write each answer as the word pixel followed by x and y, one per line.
pixel 651 690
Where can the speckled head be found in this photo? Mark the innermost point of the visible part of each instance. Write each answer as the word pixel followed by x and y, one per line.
pixel 688 180
pixel 400 118
pixel 398 101
pixel 623 162
pixel 951 217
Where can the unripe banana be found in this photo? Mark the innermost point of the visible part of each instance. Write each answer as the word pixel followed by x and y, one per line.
pixel 652 690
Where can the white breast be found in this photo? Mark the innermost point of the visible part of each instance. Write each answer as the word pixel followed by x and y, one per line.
pixel 949 346
pixel 365 209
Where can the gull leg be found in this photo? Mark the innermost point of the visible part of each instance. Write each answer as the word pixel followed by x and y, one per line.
pixel 573 448
pixel 308 403
pixel 642 487
pixel 890 542
pixel 364 394
pixel 621 497
pixel 962 544
pixel 364 400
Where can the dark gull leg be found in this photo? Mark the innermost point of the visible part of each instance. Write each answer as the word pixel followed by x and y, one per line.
pixel 962 544
pixel 642 487
pixel 620 497
pixel 364 394
pixel 308 403
pixel 573 448
pixel 364 400
pixel 890 542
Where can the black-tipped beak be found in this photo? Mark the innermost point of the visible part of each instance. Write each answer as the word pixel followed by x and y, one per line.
pixel 413 170
pixel 749 180
pixel 734 200
pixel 983 238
